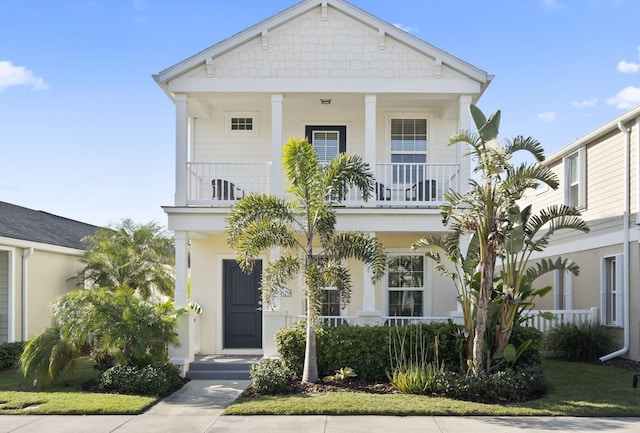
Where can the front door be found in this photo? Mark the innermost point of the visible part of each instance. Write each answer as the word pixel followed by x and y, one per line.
pixel 242 312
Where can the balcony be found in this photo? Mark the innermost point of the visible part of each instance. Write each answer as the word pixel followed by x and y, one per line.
pixel 397 184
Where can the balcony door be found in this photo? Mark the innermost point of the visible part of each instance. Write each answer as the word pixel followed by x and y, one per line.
pixel 328 141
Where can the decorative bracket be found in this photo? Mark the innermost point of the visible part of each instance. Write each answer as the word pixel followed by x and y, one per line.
pixel 265 39
pixel 323 6
pixel 209 67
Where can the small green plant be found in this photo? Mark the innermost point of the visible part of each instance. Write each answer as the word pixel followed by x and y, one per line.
pixel 582 341
pixel 411 372
pixel 158 379
pixel 270 376
pixel 343 374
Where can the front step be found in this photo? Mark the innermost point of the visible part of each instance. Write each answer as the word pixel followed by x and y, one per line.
pixel 221 368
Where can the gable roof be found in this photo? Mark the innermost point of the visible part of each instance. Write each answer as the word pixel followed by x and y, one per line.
pixel 17 222
pixel 263 27
pixel 612 125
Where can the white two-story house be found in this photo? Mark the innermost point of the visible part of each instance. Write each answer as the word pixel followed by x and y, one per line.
pixel 350 82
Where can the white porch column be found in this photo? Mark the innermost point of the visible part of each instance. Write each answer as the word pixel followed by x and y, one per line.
pixel 182 148
pixel 464 123
pixel 369 315
pixel 370 137
pixel 183 355
pixel 276 146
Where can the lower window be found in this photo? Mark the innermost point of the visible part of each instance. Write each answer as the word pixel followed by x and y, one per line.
pixel 611 291
pixel 330 302
pixel 405 283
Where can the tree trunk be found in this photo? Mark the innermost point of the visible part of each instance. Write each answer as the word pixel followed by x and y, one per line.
pixel 484 297
pixel 310 371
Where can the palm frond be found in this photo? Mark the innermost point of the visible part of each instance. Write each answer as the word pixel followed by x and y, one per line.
pixel 361 246
pixel 347 171
pixel 544 266
pixel 276 275
pixel 255 207
pixel 259 236
pixel 528 144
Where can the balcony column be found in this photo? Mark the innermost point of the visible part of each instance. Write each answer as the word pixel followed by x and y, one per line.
pixel 183 355
pixel 182 148
pixel 370 138
pixel 369 315
pixel 464 123
pixel 276 146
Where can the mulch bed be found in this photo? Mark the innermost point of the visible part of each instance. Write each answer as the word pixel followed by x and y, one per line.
pixel 355 385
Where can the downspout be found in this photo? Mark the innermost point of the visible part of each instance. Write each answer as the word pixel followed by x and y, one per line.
pixel 25 281
pixel 625 248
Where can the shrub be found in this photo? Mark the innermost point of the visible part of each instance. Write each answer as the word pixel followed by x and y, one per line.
pixel 508 386
pixel 270 376
pixel 580 341
pixel 10 354
pixel 532 355
pixel 158 379
pixel 418 379
pixel 366 349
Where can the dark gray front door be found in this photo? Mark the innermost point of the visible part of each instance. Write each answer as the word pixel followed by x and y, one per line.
pixel 242 313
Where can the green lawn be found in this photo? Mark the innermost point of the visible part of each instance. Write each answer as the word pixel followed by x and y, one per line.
pixel 18 396
pixel 573 390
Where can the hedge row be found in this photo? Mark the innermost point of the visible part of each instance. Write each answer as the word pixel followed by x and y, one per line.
pixel 368 350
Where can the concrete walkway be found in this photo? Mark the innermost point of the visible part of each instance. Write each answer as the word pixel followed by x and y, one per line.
pixel 198 407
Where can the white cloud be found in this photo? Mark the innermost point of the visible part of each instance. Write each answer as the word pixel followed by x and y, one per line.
pixel 11 75
pixel 553 4
pixel 586 103
pixel 626 98
pixel 547 116
pixel 407 29
pixel 628 67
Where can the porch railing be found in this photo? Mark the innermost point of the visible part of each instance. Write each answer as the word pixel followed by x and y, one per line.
pixel 224 183
pixel 535 320
pixel 397 184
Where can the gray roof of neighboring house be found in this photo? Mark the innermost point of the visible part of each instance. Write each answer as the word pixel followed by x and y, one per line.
pixel 17 222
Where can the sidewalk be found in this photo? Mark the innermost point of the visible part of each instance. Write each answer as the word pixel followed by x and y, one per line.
pixel 198 407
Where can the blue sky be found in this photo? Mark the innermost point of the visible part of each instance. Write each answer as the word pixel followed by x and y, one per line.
pixel 87 134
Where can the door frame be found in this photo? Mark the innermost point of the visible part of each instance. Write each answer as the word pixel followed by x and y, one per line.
pixel 219 311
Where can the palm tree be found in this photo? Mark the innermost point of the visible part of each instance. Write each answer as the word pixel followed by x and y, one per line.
pixel 303 227
pixel 499 228
pixel 139 256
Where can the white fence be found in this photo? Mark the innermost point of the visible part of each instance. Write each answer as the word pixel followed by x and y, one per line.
pixel 535 319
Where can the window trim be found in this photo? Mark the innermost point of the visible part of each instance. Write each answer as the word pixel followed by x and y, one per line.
pixel 580 156
pixel 423 289
pixel 562 299
pixel 340 129
pixel 254 115
pixel 606 292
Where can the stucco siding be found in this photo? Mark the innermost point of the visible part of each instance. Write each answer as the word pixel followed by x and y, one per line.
pixel 48 278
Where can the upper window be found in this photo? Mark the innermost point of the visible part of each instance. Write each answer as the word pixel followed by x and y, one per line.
pixel 574 174
pixel 408 149
pixel 328 141
pixel 405 283
pixel 241 123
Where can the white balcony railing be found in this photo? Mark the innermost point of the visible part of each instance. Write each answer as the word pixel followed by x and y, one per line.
pixel 224 183
pixel 397 184
pixel 410 184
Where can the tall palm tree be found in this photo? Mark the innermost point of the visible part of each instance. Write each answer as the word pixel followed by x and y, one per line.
pixel 138 256
pixel 500 229
pixel 302 225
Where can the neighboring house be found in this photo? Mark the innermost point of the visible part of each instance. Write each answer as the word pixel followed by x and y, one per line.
pixel 349 82
pixel 39 252
pixel 600 174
